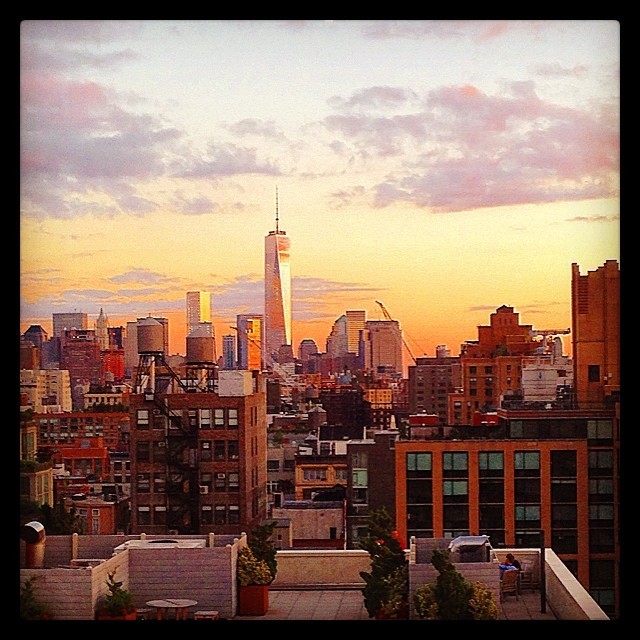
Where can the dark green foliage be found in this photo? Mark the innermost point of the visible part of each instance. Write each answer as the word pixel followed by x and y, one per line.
pixel 452 597
pixel 452 591
pixel 30 608
pixel 59 521
pixel 386 585
pixel 259 541
pixel 119 601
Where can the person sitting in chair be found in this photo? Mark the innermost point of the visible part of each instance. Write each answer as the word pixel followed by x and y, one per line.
pixel 506 566
pixel 512 561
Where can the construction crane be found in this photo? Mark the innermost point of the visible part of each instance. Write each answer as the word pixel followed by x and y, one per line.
pixel 387 315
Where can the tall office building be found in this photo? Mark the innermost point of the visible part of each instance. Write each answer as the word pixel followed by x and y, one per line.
pixel 383 346
pixel 228 351
pixel 277 293
pixel 198 309
pixel 64 321
pixel 249 341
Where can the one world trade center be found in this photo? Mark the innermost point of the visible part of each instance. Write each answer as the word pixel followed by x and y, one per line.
pixel 277 295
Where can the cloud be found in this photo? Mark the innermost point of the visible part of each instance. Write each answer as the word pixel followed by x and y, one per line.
pixel 467 149
pixel 227 159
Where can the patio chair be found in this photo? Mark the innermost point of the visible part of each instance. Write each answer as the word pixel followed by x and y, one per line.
pixel 509 584
pixel 527 579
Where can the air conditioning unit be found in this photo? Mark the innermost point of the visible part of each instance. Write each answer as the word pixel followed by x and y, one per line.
pixel 204 489
pixel 220 476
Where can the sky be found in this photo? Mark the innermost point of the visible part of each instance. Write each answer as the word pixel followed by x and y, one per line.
pixel 444 168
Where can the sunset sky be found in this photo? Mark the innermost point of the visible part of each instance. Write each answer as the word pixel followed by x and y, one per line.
pixel 444 168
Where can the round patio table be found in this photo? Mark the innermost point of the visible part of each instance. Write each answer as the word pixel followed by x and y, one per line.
pixel 177 606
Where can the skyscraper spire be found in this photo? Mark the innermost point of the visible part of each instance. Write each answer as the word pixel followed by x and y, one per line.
pixel 277 215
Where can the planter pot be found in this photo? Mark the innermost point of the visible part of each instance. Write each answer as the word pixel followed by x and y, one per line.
pixel 253 600
pixel 103 615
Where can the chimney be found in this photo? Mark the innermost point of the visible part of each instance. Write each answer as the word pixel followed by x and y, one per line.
pixel 33 534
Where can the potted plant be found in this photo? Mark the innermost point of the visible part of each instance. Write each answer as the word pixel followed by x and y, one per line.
pixel 30 608
pixel 118 603
pixel 254 578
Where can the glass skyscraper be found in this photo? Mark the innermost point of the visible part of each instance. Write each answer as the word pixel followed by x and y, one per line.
pixel 277 293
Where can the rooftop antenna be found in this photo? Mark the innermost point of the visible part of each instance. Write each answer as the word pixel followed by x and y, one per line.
pixel 277 218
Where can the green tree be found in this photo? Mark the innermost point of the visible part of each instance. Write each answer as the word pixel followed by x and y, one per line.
pixel 260 542
pixel 59 521
pixel 453 597
pixel 386 585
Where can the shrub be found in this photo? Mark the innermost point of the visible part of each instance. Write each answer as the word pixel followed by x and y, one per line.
pixel 452 597
pixel 251 570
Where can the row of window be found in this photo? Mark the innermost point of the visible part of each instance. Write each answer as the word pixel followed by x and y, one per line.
pixel 563 463
pixel 210 451
pixel 196 418
pixel 218 514
pixel 160 483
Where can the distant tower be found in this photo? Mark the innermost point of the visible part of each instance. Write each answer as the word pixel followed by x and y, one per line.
pixel 277 292
pixel 102 331
pixel 198 309
pixel 229 351
pixel 249 341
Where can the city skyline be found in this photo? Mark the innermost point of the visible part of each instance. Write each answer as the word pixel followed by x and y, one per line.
pixel 443 167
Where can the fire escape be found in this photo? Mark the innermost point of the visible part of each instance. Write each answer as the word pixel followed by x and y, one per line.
pixel 156 381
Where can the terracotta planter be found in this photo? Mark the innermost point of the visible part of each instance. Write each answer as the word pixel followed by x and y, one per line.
pixel 253 600
pixel 103 615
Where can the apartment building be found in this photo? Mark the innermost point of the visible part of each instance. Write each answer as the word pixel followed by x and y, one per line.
pixel 198 459
pixel 71 429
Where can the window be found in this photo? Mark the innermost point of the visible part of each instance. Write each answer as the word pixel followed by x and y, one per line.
pixel 599 429
pixel 491 463
pixel 315 474
pixel 220 451
pixel 527 515
pixel 455 491
pixel 218 418
pixel 159 514
pixel 594 372
pixel 142 419
pixel 206 515
pixel 273 465
pixel 159 451
pixel 159 483
pixel 144 514
pixel 143 483
pixel 143 451
pixel 205 451
pixel 233 450
pixel 220 514
pixel 564 490
pixel 234 514
pixel 220 483
pixel 418 463
pixel 455 464
pixel 175 419
pixel 527 461
pixel 601 463
pixel 233 418
pixel 234 480
pixel 205 418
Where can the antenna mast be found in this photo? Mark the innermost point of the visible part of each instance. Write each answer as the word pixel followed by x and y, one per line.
pixel 277 216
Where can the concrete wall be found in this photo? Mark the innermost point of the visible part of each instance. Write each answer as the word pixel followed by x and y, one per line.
pixel 306 568
pixel 73 588
pixel 568 599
